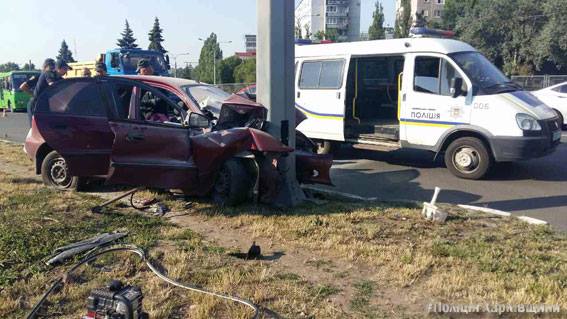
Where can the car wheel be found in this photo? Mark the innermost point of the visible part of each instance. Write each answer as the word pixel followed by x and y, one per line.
pixel 55 173
pixel 468 158
pixel 325 147
pixel 560 119
pixel 234 183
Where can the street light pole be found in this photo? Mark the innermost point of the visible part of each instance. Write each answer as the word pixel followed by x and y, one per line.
pixel 175 62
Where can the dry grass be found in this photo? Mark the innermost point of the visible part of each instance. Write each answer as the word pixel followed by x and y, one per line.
pixel 343 260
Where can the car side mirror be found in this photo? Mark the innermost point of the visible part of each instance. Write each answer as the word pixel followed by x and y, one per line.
pixel 197 120
pixel 457 87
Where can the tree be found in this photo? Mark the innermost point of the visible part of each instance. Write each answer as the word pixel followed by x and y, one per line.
pixel 9 66
pixel 298 30
pixel 551 46
pixel 29 66
pixel 127 41
pixel 210 53
pixel 454 10
pixel 403 20
pixel 64 53
pixel 246 72
pixel 227 68
pixel 186 72
pixel 508 32
pixel 376 29
pixel 156 38
pixel 307 31
pixel 332 35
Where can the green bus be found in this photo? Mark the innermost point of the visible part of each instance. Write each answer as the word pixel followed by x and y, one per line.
pixel 11 97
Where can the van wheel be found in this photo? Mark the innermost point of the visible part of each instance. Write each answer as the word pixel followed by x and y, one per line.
pixel 468 158
pixel 55 173
pixel 325 147
pixel 234 183
pixel 560 119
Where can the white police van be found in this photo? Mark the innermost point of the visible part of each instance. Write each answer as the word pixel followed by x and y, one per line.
pixel 433 94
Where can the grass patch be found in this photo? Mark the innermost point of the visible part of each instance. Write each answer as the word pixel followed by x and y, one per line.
pixel 368 251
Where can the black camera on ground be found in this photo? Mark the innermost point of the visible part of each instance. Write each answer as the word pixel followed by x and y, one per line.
pixel 115 301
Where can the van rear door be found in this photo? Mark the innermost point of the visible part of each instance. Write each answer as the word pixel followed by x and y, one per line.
pixel 428 107
pixel 320 95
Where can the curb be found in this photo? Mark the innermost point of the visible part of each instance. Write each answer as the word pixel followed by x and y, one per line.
pixel 10 142
pixel 348 196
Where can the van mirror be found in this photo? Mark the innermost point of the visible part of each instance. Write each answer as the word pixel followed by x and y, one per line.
pixel 197 120
pixel 457 87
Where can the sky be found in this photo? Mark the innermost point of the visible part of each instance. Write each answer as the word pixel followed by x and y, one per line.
pixel 34 29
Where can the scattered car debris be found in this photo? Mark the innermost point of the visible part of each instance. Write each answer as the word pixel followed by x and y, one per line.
pixel 69 251
pixel 98 209
pixel 431 211
pixel 106 240
pixel 161 209
pixel 255 252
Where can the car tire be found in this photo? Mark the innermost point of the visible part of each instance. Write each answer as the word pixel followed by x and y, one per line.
pixel 468 158
pixel 54 173
pixel 325 147
pixel 234 183
pixel 560 119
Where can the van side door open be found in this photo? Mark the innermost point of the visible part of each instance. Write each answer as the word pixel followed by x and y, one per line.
pixel 431 104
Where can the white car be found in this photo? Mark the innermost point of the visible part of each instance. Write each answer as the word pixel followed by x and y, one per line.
pixel 555 97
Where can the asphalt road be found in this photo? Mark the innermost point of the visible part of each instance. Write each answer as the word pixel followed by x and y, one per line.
pixel 536 188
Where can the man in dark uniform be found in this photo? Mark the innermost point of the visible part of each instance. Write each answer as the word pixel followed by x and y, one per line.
pixel 46 79
pixel 100 69
pixel 145 68
pixel 30 85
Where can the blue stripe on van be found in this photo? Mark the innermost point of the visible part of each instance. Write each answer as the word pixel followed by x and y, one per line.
pixel 301 108
pixel 431 122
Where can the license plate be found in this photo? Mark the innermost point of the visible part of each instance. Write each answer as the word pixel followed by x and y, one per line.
pixel 556 135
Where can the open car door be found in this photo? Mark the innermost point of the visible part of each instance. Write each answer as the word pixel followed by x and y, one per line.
pixel 151 146
pixel 72 117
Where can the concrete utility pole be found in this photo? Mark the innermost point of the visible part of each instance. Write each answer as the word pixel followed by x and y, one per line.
pixel 275 84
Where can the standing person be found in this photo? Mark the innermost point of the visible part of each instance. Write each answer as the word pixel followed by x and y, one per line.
pixel 87 73
pixel 145 68
pixel 30 85
pixel 100 69
pixel 46 79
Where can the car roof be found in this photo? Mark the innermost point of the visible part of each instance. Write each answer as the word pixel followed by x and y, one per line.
pixel 171 81
pixel 392 46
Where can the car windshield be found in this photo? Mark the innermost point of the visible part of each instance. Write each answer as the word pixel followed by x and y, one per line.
pixel 19 78
pixel 485 77
pixel 207 97
pixel 130 62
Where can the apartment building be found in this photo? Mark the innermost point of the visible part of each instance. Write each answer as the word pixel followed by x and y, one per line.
pixel 324 15
pixel 432 10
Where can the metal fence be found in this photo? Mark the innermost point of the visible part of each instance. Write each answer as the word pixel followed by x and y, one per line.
pixel 538 82
pixel 232 87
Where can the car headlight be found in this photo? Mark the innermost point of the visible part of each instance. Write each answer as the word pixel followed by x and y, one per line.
pixel 527 122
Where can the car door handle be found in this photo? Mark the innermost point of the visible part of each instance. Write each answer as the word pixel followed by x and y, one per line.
pixel 131 137
pixel 298 95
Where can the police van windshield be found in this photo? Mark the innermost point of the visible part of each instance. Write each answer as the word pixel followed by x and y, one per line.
pixel 485 77
pixel 130 62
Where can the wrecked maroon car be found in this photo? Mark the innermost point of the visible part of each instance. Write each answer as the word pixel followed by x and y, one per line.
pixel 163 133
